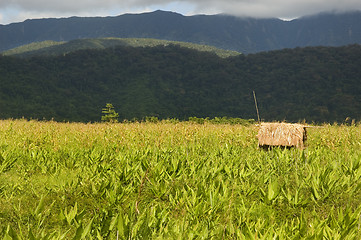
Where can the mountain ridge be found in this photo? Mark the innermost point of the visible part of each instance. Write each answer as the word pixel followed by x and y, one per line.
pixel 246 35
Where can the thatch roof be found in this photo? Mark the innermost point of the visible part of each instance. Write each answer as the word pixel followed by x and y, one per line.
pixel 282 134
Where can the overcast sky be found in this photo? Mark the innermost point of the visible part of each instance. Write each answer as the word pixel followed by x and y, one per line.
pixel 20 10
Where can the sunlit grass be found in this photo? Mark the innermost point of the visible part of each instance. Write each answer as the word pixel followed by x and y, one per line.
pixel 175 180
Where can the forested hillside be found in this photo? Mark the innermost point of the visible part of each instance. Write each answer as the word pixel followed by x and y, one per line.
pixel 246 35
pixel 319 84
pixel 52 48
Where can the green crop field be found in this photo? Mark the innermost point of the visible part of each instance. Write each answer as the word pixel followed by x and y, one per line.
pixel 175 180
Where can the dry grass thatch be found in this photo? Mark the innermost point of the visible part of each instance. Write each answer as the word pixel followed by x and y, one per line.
pixel 282 134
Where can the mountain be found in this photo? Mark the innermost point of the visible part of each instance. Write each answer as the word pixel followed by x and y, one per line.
pixel 246 35
pixel 320 84
pixel 52 48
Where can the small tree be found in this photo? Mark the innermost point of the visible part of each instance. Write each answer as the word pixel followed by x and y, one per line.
pixel 109 114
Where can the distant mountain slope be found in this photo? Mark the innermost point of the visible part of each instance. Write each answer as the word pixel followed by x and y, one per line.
pixel 319 84
pixel 246 35
pixel 52 48
pixel 31 47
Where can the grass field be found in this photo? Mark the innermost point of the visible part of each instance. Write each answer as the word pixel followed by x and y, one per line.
pixel 175 181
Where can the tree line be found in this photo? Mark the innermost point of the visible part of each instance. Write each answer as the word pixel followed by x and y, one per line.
pixel 316 84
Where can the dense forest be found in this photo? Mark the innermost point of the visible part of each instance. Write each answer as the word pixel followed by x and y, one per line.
pixel 52 48
pixel 316 84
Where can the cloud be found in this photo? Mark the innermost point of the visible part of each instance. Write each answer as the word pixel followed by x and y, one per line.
pixel 252 8
pixel 277 8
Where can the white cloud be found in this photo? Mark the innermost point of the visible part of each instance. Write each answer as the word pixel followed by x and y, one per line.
pixel 277 8
pixel 254 8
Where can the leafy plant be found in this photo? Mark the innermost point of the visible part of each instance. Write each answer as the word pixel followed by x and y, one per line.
pixel 175 180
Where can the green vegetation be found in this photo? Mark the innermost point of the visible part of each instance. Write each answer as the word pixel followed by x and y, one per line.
pixel 32 47
pixel 313 84
pixel 222 120
pixel 51 48
pixel 175 181
pixel 109 114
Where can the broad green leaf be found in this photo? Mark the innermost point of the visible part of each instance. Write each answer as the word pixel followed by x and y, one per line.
pixel 87 229
pixel 40 206
pixel 79 233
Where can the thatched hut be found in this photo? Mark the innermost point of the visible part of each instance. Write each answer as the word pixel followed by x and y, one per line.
pixel 282 134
